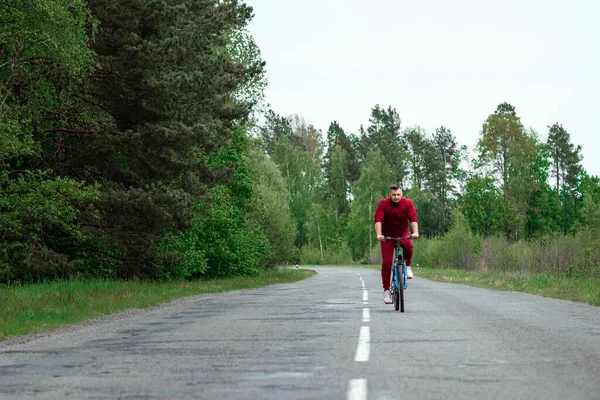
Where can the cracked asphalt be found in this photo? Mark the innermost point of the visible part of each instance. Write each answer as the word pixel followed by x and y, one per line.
pixel 299 340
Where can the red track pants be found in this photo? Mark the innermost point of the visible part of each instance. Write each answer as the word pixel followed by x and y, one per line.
pixel 387 257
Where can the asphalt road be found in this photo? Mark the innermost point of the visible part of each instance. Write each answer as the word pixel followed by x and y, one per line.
pixel 327 337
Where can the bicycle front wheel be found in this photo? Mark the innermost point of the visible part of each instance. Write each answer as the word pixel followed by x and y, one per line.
pixel 395 287
pixel 400 293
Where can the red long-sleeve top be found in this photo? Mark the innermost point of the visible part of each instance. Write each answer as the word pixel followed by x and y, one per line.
pixel 395 217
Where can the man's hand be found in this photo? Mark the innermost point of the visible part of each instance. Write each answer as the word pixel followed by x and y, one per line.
pixel 381 238
pixel 415 235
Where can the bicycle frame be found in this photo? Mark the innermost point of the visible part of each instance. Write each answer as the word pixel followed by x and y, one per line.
pixel 399 282
pixel 399 260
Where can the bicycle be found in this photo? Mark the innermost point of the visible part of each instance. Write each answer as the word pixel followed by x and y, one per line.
pixel 397 289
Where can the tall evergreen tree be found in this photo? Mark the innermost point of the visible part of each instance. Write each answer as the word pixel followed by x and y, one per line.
pixel 565 156
pixel 275 128
pixel 337 179
pixel 418 146
pixel 170 82
pixel 383 135
pixel 449 159
pixel 336 136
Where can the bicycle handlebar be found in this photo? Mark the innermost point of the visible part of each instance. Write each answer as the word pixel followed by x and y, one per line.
pixel 398 237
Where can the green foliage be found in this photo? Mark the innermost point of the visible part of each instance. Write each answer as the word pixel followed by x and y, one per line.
pixel 325 228
pixel 335 255
pixel 33 205
pixel 44 61
pixel 504 146
pixel 147 114
pixel 434 219
pixel 421 153
pixel 459 248
pixel 542 215
pixel 338 178
pixel 179 79
pixel 124 152
pixel 443 164
pixel 383 135
pixel 483 206
pixel 590 215
pixel 302 177
pixel 565 156
pixel 346 144
pixel 243 49
pixel 572 255
pixel 221 242
pixel 269 208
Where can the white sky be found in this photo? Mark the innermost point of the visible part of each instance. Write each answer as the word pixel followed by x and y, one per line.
pixel 438 62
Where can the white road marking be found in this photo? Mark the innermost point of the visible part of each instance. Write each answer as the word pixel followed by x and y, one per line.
pixel 365 302
pixel 364 345
pixel 366 315
pixel 365 295
pixel 357 389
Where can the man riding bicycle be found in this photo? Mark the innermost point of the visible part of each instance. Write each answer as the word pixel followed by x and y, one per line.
pixel 392 217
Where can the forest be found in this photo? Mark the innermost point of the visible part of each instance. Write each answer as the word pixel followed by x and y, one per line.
pixel 135 142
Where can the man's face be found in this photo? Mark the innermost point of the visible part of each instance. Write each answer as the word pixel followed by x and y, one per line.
pixel 396 195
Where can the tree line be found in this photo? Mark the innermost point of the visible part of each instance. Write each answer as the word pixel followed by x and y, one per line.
pixel 516 183
pixel 124 145
pixel 134 144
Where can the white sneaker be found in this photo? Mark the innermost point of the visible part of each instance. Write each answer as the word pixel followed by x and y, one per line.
pixel 387 299
pixel 409 273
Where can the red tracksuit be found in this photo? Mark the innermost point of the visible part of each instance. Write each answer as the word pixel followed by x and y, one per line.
pixel 394 218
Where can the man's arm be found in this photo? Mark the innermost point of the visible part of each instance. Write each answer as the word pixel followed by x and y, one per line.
pixel 379 214
pixel 414 221
pixel 380 237
pixel 414 227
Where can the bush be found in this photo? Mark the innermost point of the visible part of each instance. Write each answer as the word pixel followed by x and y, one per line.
pixel 572 255
pixel 334 255
pixel 220 244
pixel 459 248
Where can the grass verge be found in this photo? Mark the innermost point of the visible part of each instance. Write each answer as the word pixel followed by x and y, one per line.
pixel 40 307
pixel 554 285
pixel 558 286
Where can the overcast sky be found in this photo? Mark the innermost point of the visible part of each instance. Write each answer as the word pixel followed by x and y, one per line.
pixel 438 62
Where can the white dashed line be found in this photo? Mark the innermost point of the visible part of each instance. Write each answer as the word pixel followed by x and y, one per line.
pixel 357 389
pixel 366 315
pixel 365 295
pixel 364 345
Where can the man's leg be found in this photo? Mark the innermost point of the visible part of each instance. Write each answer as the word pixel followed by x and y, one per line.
pixel 387 257
pixel 407 252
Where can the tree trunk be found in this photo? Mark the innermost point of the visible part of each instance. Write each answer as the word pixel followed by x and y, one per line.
pixel 320 241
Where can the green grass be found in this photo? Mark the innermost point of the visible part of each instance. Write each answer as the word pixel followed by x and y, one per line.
pixel 555 285
pixel 40 307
